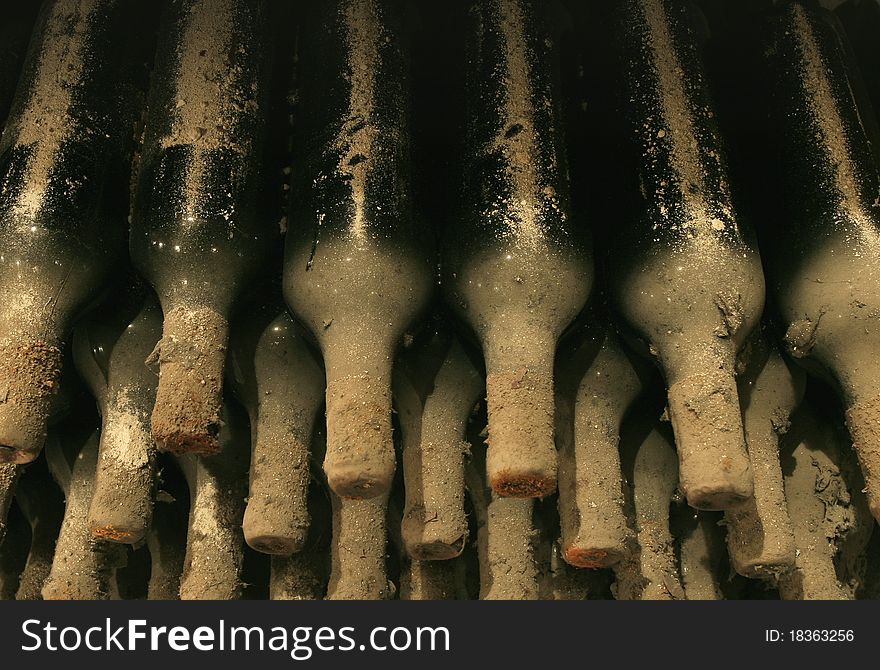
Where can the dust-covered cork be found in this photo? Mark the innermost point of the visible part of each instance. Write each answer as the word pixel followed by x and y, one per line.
pixel 30 371
pixel 191 357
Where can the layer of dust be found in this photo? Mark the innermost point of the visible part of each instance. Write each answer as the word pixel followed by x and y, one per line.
pixel 82 568
pixel 521 458
pixel 705 414
pixel 212 91
pixel 359 318
pixel 820 508
pixel 507 563
pixel 276 520
pixel 649 571
pixel 45 122
pixel 760 539
pixel 360 452
pixel 591 503
pixel 122 507
pixel 289 392
pixel 358 551
pixel 191 356
pixel 30 372
pixel 678 130
pixel 826 119
pixel 434 437
pixel 358 142
pixel 215 543
pixel 428 580
pixel 698 557
pixel 298 577
pixel 517 138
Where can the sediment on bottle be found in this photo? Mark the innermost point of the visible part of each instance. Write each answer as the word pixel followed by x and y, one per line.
pixel 191 357
pixel 276 520
pixel 359 462
pixel 521 455
pixel 434 525
pixel 122 507
pixel 592 519
pixel 357 559
pixel 30 372
pixel 713 461
pixel 82 567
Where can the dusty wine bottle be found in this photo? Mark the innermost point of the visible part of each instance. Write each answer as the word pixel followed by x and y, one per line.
pixel 360 533
pixel 42 503
pixel 825 264
pixel 110 347
pixel 596 385
pixel 198 233
pixel 649 571
pixel 166 541
pixel 820 503
pixel 214 540
pixel 686 274
pixel 82 567
pixel 436 388
pixel 505 550
pixel 357 269
pixel 279 380
pixel 516 266
pixel 759 535
pixel 701 556
pixel 64 165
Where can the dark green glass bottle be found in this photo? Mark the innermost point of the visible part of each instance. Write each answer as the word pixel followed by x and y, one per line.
pixel 517 266
pixel 357 267
pixel 276 374
pixel 824 251
pixel 685 273
pixel 64 167
pixel 199 234
pixel 110 347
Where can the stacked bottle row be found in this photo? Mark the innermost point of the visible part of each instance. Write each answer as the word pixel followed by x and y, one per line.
pixel 350 327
